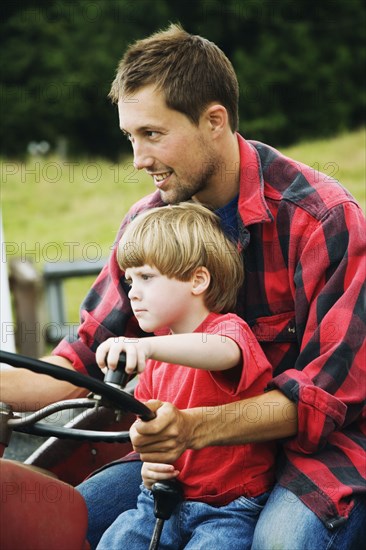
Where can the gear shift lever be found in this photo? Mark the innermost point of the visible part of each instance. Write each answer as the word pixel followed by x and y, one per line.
pixel 119 377
pixel 167 494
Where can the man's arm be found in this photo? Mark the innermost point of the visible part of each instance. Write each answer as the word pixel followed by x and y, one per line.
pixel 325 391
pixel 27 391
pixel 257 419
pixel 329 276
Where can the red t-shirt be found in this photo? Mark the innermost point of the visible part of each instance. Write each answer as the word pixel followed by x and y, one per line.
pixel 218 475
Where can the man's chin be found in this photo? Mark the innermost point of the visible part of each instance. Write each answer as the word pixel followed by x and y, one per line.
pixel 168 198
pixel 174 198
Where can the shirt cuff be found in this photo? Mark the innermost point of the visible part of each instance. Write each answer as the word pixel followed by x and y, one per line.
pixel 319 413
pixel 73 353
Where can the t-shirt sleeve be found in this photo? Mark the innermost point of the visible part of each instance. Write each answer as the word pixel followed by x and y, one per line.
pixel 254 371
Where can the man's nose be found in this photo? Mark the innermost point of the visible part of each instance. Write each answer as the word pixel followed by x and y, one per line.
pixel 141 157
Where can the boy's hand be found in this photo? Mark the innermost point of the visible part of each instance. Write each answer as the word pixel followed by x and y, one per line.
pixel 152 472
pixel 137 351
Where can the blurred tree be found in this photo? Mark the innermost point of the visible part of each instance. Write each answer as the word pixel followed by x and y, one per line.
pixel 299 65
pixel 58 61
pixel 302 76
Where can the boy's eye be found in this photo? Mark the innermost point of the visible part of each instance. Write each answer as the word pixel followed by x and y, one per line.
pixel 128 282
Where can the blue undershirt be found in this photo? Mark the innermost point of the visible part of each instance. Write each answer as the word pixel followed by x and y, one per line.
pixel 229 218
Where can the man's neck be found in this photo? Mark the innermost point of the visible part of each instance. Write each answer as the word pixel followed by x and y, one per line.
pixel 224 185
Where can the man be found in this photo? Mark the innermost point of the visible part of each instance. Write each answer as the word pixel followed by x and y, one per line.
pixel 302 239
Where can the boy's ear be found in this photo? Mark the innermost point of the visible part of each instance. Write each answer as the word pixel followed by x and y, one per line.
pixel 200 280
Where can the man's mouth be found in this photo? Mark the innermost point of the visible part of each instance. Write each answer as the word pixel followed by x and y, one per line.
pixel 159 179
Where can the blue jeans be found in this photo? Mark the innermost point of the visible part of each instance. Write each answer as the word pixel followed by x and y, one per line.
pixel 288 524
pixel 109 493
pixel 193 525
pixel 285 521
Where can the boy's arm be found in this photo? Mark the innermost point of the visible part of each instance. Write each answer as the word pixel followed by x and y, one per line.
pixel 198 350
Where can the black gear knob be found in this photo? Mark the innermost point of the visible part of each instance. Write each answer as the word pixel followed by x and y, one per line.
pixel 119 377
pixel 167 494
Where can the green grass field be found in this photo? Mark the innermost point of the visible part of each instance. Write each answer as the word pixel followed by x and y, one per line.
pixel 62 210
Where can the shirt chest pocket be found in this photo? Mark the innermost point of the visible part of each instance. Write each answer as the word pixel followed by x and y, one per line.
pixel 276 328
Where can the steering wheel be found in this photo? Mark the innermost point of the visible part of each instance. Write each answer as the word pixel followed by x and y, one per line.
pixel 107 394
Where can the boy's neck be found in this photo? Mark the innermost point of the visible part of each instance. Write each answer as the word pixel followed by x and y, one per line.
pixel 191 321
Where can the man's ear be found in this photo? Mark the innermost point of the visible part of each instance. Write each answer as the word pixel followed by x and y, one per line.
pixel 200 280
pixel 217 118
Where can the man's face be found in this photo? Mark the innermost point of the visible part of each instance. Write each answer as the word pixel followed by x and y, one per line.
pixel 178 154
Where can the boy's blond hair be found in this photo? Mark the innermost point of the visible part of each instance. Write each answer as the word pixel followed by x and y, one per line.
pixel 177 239
pixel 191 71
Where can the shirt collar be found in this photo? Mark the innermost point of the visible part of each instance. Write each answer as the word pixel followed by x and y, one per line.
pixel 252 205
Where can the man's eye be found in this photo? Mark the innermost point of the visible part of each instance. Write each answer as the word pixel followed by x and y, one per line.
pixel 152 133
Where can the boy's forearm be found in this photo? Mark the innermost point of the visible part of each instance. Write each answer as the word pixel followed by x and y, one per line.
pixel 197 350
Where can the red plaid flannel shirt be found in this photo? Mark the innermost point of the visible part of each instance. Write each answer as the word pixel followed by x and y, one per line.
pixel 302 237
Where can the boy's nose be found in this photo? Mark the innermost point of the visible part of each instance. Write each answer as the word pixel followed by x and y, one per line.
pixel 133 293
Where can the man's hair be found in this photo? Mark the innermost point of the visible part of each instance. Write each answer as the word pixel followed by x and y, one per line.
pixel 176 240
pixel 190 70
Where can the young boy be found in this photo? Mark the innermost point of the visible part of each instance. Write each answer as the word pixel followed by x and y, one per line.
pixel 184 275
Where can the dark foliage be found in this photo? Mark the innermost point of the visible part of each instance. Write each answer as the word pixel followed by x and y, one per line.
pixel 300 66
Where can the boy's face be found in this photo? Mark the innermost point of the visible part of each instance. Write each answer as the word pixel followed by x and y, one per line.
pixel 158 301
pixel 178 154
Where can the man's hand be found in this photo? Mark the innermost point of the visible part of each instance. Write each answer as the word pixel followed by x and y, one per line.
pixel 163 439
